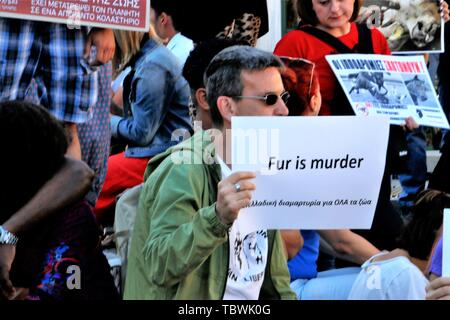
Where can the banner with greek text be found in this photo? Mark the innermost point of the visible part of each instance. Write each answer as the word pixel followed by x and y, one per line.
pixel 396 86
pixel 312 172
pixel 115 14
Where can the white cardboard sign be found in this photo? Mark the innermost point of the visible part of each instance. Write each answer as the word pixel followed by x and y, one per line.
pixel 312 172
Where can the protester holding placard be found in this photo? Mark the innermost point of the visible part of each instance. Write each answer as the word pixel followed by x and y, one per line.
pixel 190 200
pixel 336 18
pixel 328 27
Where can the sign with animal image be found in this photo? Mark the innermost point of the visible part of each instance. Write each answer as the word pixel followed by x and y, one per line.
pixel 116 14
pixel 396 86
pixel 312 172
pixel 410 26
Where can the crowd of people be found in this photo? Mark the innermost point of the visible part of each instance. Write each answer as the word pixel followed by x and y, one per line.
pixel 161 100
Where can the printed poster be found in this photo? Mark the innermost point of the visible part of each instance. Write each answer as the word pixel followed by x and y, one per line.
pixel 396 86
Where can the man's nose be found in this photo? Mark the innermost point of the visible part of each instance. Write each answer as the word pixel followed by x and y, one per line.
pixel 281 109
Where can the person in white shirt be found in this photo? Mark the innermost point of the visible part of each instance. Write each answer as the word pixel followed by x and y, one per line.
pixel 399 274
pixel 163 17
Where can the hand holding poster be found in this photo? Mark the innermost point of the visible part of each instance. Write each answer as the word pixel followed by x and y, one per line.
pixel 118 14
pixel 314 172
pixel 410 26
pixel 396 86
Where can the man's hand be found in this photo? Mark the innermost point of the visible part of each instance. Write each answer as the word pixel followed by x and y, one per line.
pixel 103 40
pixel 444 11
pixel 439 289
pixel 410 124
pixel 7 254
pixel 233 194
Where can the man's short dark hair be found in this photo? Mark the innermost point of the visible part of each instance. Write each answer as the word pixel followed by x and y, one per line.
pixel 33 147
pixel 223 74
pixel 172 8
pixel 308 16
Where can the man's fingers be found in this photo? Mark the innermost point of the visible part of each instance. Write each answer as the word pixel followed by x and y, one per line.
pixel 6 286
pixel 439 289
pixel 442 293
pixel 241 175
pixel 242 203
pixel 438 282
pixel 230 188
pixel 87 48
pixel 229 184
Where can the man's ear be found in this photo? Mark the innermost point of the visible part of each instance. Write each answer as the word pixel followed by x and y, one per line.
pixel 227 107
pixel 200 96
pixel 316 103
pixel 164 18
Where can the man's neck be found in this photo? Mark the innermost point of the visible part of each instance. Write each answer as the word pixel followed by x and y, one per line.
pixel 221 145
pixel 170 35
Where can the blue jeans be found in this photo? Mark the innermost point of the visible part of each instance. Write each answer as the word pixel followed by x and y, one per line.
pixel 328 285
pixel 413 180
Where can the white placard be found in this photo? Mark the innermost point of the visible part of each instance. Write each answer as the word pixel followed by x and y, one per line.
pixel 446 245
pixel 313 172
pixel 395 86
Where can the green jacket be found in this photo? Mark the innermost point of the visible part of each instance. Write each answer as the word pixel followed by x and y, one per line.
pixel 179 248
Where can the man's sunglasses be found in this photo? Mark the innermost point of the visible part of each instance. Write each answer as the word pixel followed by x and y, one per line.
pixel 269 99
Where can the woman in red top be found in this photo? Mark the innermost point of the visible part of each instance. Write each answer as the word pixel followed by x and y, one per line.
pixel 337 18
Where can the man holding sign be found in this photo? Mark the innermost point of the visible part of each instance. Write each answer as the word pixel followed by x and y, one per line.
pixel 184 232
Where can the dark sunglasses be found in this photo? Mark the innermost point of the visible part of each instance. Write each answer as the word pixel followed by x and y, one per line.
pixel 270 99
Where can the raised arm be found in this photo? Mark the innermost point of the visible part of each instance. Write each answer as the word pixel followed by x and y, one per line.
pixel 67 186
pixel 103 40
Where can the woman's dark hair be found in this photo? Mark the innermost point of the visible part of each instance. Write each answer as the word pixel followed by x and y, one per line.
pixel 308 16
pixel 419 234
pixel 201 56
pixel 33 147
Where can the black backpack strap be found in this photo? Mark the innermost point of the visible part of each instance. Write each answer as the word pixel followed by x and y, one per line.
pixel 327 38
pixel 365 44
pixel 364 39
